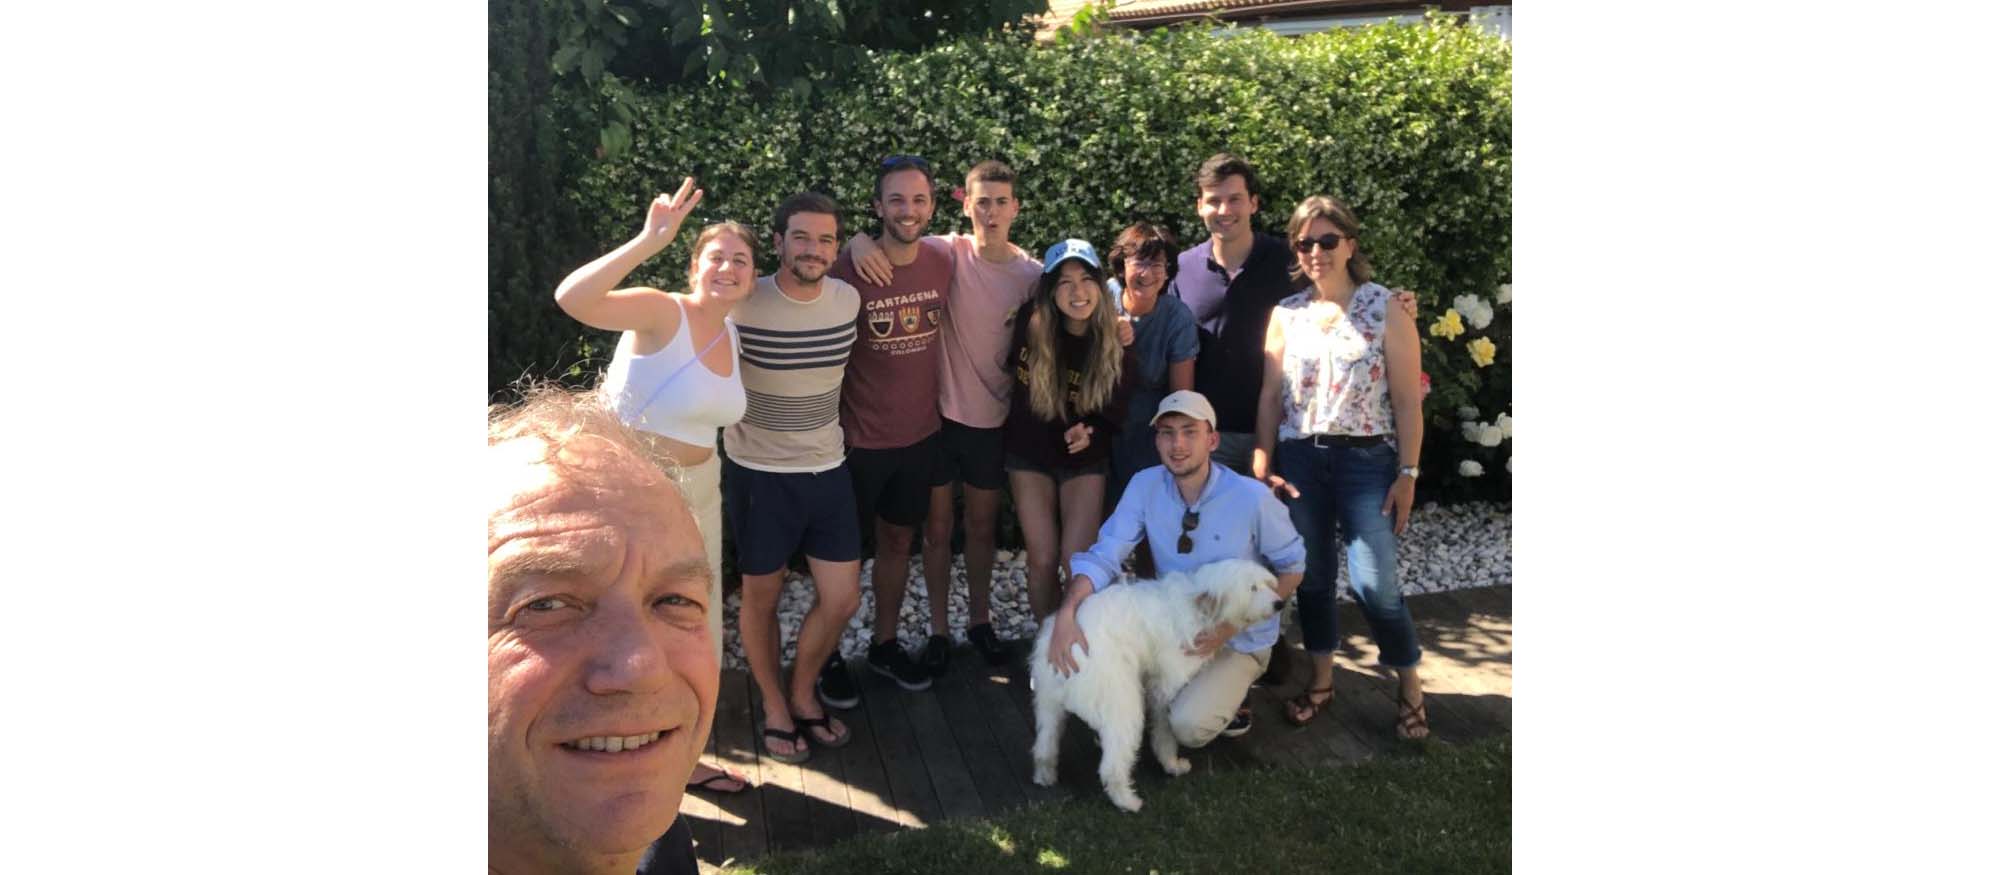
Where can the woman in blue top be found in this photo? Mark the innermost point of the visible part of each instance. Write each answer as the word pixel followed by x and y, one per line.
pixel 1164 344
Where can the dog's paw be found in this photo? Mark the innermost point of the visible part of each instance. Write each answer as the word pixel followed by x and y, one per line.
pixel 1177 766
pixel 1045 775
pixel 1126 799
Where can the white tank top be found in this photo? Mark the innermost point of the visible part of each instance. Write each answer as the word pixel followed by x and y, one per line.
pixel 670 392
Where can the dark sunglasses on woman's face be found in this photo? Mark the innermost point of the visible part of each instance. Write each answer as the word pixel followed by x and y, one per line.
pixel 1325 241
pixel 1188 522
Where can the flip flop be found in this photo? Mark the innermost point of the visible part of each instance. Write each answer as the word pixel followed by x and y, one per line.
pixel 840 739
pixel 801 751
pixel 724 775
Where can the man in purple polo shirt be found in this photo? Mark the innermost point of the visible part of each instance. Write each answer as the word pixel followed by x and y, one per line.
pixel 1230 282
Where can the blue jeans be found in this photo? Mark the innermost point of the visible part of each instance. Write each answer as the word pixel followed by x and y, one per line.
pixel 1341 490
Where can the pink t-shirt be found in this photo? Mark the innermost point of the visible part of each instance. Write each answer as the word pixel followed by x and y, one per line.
pixel 979 332
pixel 889 397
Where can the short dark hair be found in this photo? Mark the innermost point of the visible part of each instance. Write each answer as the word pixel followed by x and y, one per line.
pixel 899 163
pixel 1143 240
pixel 990 170
pixel 804 202
pixel 1221 166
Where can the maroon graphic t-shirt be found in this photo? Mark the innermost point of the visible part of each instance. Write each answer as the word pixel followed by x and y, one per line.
pixel 889 397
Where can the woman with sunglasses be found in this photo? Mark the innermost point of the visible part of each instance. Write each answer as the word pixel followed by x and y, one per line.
pixel 1339 429
pixel 1072 380
pixel 673 377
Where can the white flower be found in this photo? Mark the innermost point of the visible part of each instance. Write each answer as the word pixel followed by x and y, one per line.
pixel 1477 313
pixel 1465 413
pixel 1506 424
pixel 1489 435
pixel 1470 468
pixel 1470 429
pixel 1505 294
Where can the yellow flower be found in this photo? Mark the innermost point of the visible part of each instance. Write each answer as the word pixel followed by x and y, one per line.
pixel 1448 326
pixel 1482 351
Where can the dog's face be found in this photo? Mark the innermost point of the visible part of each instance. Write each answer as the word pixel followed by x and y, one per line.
pixel 1237 591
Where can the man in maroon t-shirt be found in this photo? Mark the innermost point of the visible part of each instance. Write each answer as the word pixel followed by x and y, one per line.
pixel 889 397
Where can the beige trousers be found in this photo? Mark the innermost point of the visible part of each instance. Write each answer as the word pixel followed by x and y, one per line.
pixel 1211 697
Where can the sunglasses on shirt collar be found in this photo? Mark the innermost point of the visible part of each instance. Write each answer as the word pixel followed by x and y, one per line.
pixel 1189 521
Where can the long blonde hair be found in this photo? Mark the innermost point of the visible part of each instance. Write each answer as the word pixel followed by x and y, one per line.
pixel 1047 397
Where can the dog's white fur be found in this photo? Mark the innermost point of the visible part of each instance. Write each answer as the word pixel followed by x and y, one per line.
pixel 1138 636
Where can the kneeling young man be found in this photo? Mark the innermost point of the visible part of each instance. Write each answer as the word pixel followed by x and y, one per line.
pixel 1192 512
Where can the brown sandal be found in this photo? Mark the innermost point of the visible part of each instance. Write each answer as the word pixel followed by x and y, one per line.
pixel 1412 722
pixel 1304 703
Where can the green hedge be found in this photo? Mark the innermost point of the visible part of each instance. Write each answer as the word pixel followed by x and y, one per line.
pixel 1410 124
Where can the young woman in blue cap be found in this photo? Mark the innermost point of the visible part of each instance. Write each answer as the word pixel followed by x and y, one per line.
pixel 1072 379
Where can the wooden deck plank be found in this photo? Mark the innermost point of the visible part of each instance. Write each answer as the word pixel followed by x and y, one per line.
pixel 950 776
pixel 704 817
pixel 868 793
pixel 910 791
pixel 1013 734
pixel 990 764
pixel 828 807
pixel 1467 650
pixel 743 834
pixel 787 819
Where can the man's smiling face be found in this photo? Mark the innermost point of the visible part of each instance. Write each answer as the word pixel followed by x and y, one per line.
pixel 601 676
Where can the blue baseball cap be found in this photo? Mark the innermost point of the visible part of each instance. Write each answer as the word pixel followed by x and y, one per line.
pixel 1068 249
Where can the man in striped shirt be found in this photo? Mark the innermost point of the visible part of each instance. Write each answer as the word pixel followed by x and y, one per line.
pixel 788 484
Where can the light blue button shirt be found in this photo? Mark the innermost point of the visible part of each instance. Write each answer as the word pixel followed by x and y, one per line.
pixel 1240 519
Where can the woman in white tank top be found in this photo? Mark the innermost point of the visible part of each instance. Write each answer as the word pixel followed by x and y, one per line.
pixel 674 376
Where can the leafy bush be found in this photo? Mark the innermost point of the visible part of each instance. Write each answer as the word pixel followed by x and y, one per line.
pixel 1409 124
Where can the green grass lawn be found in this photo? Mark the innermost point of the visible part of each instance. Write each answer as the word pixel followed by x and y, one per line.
pixel 1446 809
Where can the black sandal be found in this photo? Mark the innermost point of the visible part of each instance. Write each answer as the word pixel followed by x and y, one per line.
pixel 1303 703
pixel 1413 723
pixel 823 722
pixel 800 750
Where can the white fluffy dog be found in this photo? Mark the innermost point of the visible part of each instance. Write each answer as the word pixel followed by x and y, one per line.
pixel 1138 635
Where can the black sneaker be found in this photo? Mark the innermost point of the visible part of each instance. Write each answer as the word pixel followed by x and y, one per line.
pixel 1238 726
pixel 888 660
pixel 937 655
pixel 835 685
pixel 987 643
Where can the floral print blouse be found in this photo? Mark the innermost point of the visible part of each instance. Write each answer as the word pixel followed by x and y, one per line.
pixel 1336 378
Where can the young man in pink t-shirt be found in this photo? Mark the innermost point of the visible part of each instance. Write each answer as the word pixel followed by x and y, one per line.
pixel 991 279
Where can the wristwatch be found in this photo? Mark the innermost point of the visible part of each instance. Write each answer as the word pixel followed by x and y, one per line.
pixel 1409 471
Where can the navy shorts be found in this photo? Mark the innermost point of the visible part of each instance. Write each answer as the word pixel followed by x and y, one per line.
pixel 773 514
pixel 969 455
pixel 893 484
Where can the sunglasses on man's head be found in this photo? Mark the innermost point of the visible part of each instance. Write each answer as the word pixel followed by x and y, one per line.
pixel 1325 241
pixel 894 160
pixel 1189 521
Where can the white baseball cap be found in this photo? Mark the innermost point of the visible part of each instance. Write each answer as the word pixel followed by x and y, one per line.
pixel 1188 403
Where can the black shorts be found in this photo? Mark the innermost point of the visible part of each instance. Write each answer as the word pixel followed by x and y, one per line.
pixel 969 455
pixel 773 514
pixel 893 484
pixel 1101 467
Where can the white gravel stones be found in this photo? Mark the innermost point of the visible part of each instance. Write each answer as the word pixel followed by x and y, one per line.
pixel 1457 547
